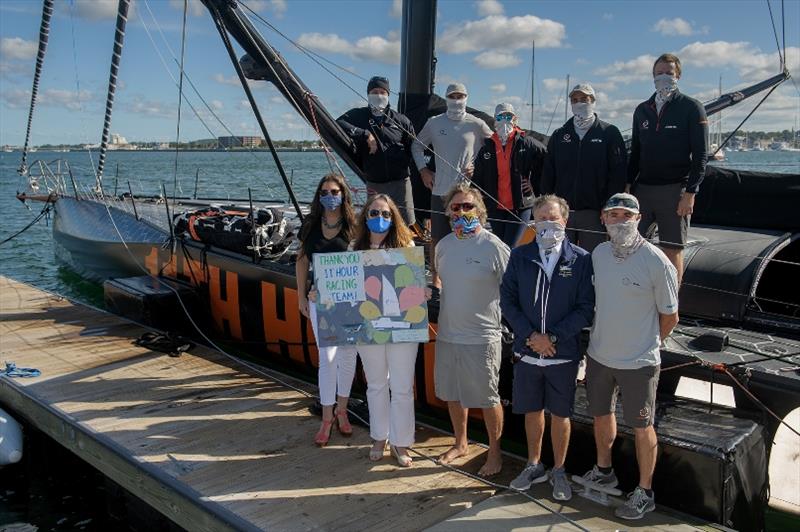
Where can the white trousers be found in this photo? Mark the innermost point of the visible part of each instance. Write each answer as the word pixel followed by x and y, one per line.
pixel 337 367
pixel 390 391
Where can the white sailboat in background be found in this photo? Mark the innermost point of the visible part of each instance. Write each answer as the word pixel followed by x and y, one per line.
pixel 717 153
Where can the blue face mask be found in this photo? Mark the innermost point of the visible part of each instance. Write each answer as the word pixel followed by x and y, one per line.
pixel 331 202
pixel 379 224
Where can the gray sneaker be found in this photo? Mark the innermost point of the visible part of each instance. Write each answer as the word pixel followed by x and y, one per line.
pixel 637 505
pixel 562 491
pixel 594 475
pixel 532 474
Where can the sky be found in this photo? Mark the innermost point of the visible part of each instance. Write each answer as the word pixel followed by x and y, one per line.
pixel 485 44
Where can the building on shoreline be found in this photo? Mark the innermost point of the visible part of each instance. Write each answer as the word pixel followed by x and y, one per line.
pixel 239 142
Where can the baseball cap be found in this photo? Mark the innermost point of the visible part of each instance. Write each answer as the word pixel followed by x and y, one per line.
pixel 456 87
pixel 504 108
pixel 622 200
pixel 584 88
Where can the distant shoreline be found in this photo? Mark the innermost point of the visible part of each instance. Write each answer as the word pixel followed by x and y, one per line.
pixel 243 150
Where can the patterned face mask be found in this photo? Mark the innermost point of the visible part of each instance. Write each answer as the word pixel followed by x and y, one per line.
pixel 584 114
pixel 549 234
pixel 625 238
pixel 465 225
pixel 665 86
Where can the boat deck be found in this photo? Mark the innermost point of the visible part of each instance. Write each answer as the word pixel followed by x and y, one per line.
pixel 214 444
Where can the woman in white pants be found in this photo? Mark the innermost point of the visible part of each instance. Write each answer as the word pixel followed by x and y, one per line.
pixel 328 228
pixel 389 368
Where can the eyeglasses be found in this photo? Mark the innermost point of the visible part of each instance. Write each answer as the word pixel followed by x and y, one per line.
pixel 374 213
pixel 332 192
pixel 507 117
pixel 465 206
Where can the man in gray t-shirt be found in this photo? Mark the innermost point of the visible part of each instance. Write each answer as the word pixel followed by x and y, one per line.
pixel 636 291
pixel 456 137
pixel 471 261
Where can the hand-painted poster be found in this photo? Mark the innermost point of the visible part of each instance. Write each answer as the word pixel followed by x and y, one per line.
pixel 371 297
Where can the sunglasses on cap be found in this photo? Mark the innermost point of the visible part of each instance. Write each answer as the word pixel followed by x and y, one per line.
pixel 464 206
pixel 507 117
pixel 374 213
pixel 332 192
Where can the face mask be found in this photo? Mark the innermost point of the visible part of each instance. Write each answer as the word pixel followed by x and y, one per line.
pixel 378 102
pixel 665 85
pixel 456 109
pixel 503 129
pixel 465 225
pixel 549 234
pixel 583 110
pixel 623 234
pixel 331 202
pixel 379 224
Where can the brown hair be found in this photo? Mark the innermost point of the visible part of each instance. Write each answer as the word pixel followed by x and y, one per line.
pixel 312 220
pixel 544 199
pixel 398 236
pixel 668 58
pixel 465 188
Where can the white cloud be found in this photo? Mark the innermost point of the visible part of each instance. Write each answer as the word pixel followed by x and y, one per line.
pixel 397 9
pixel 673 26
pixel 65 99
pixel 498 88
pixel 501 33
pixel 371 48
pixel 608 16
pixel 216 105
pixel 148 107
pixel 195 7
pixel 18 48
pixel 637 69
pixel 489 7
pixel 496 59
pixel 99 9
pixel 554 84
pixel 233 80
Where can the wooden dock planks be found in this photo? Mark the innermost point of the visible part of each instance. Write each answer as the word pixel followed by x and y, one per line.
pixel 210 442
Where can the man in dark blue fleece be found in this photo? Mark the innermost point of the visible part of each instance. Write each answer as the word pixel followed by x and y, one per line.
pixel 669 150
pixel 547 296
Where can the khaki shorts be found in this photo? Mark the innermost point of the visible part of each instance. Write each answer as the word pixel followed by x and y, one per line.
pixel 637 387
pixel 659 206
pixel 468 373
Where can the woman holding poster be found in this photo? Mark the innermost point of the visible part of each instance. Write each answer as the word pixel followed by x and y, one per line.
pixel 389 367
pixel 329 227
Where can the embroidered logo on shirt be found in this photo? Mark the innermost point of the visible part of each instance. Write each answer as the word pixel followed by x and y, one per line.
pixel 565 270
pixel 596 140
pixel 487 155
pixel 645 124
pixel 471 260
pixel 628 282
pixel 443 132
pixel 670 127
pixel 567 138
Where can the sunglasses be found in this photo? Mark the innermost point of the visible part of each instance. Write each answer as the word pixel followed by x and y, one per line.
pixel 332 192
pixel 465 206
pixel 507 117
pixel 374 213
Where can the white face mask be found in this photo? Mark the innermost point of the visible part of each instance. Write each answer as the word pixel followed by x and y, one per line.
pixel 456 109
pixel 503 129
pixel 665 85
pixel 549 234
pixel 378 102
pixel 583 110
pixel 623 234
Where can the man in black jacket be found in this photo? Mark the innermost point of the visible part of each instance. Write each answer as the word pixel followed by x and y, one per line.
pixel 585 164
pixel 383 140
pixel 507 170
pixel 669 150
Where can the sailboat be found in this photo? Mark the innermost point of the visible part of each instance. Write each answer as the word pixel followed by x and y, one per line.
pixel 715 148
pixel 735 296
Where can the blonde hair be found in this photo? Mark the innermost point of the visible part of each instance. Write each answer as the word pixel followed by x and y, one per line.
pixel 464 187
pixel 399 235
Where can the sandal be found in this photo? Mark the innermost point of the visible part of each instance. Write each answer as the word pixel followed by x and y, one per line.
pixel 343 423
pixel 377 450
pixel 403 460
pixel 324 434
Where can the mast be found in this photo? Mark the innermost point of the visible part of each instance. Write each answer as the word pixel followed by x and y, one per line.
pixel 533 78
pixel 566 102
pixel 417 60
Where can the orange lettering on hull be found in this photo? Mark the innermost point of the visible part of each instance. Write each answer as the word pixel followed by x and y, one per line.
pixel 288 329
pixel 226 309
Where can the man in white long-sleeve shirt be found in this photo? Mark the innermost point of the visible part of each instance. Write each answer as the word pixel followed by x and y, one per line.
pixel 455 136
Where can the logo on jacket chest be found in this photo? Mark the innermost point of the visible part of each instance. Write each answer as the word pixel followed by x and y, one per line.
pixel 487 155
pixel 566 138
pixel 646 124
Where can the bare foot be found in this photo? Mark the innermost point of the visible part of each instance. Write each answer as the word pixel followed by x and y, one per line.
pixel 493 465
pixel 452 453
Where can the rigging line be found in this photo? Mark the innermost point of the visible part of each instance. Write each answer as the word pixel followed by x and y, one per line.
pixel 386 116
pixel 44 32
pixel 299 46
pixel 223 32
pixel 746 118
pixel 775 32
pixel 180 101
pixel 756 400
pixel 270 186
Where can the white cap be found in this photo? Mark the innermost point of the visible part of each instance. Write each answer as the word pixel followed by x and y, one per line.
pixel 584 88
pixel 456 87
pixel 504 108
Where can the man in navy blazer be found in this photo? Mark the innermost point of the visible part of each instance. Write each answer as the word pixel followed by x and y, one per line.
pixel 547 297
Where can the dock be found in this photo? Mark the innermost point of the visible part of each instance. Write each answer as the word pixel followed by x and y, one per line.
pixel 213 443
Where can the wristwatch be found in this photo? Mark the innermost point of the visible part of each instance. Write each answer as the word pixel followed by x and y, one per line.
pixel 553 338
